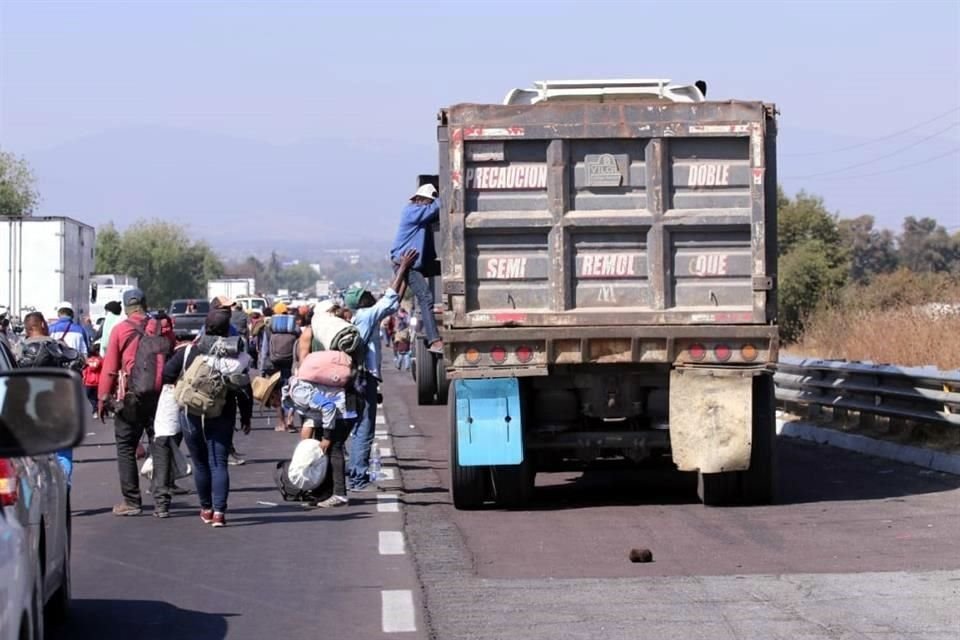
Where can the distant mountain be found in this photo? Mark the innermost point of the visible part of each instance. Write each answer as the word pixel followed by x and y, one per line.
pixel 239 194
pixel 247 196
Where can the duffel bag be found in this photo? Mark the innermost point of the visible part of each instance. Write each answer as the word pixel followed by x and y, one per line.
pixel 328 368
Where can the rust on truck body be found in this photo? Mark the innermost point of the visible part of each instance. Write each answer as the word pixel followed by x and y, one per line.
pixel 562 216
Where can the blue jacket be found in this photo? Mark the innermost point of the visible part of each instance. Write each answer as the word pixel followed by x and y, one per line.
pixel 414 233
pixel 71 333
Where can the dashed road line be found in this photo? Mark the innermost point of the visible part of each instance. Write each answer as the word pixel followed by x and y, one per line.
pixel 398 614
pixel 381 419
pixel 392 543
pixel 388 503
pixel 386 452
pixel 389 473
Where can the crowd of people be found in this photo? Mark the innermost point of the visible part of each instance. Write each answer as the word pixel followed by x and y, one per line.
pixel 196 392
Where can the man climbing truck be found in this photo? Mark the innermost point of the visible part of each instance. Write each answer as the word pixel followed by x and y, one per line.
pixel 609 274
pixel 429 369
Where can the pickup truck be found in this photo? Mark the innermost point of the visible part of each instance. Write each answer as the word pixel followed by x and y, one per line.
pixel 609 286
pixel 188 317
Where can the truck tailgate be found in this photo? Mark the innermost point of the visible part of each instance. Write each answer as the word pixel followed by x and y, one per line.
pixel 570 214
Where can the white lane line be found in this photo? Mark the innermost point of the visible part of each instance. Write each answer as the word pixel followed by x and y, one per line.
pixel 392 544
pixel 398 614
pixel 381 419
pixel 379 437
pixel 388 473
pixel 386 452
pixel 387 503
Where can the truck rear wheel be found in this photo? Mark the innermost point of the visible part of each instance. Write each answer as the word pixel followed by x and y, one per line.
pixel 443 384
pixel 513 484
pixel 756 485
pixel 759 481
pixel 468 485
pixel 426 374
pixel 718 489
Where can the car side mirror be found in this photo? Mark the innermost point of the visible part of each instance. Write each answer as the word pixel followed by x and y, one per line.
pixel 41 411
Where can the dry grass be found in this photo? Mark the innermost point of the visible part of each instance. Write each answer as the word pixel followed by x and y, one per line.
pixel 902 337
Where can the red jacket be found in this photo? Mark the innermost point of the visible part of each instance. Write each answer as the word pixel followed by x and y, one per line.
pixel 91 372
pixel 124 337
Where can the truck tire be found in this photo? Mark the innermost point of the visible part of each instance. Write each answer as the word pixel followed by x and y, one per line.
pixel 513 484
pixel 756 485
pixel 719 489
pixel 426 374
pixel 759 481
pixel 468 485
pixel 443 384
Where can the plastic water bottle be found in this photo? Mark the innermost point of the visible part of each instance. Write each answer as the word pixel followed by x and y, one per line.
pixel 373 470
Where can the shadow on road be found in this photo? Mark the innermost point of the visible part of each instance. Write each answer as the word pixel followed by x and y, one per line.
pixel 140 619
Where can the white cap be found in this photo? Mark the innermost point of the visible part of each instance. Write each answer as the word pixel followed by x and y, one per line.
pixel 65 305
pixel 426 191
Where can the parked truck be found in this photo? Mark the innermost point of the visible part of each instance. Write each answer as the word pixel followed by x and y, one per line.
pixel 47 260
pixel 609 279
pixel 232 288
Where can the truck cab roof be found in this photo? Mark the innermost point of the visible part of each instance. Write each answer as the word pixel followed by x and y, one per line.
pixel 607 90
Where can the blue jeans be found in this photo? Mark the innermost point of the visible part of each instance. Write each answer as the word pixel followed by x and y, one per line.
pixel 422 291
pixel 363 435
pixel 209 442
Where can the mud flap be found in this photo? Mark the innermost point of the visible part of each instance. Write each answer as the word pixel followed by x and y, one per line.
pixel 711 418
pixel 489 422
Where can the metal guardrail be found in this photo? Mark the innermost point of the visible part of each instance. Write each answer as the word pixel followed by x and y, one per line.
pixel 920 394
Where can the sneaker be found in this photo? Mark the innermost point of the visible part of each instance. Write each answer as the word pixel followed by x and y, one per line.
pixel 207 516
pixel 177 490
pixel 95 415
pixel 436 347
pixel 219 520
pixel 125 509
pixel 235 459
pixel 333 501
pixel 161 513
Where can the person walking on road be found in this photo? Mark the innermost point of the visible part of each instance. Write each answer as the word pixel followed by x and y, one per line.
pixel 69 331
pixel 91 376
pixel 415 233
pixel 113 316
pixel 134 412
pixel 367 314
pixel 210 438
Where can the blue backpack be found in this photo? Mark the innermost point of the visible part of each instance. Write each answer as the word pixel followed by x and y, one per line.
pixel 283 324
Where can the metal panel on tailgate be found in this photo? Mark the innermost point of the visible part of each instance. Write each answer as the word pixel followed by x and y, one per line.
pixel 585 214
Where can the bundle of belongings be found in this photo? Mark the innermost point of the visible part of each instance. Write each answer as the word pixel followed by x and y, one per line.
pixel 335 334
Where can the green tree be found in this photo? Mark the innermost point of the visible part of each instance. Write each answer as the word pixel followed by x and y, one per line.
pixel 164 259
pixel 872 251
pixel 109 248
pixel 925 246
pixel 18 190
pixel 299 277
pixel 807 279
pixel 813 263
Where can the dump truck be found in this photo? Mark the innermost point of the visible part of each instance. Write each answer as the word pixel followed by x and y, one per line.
pixel 609 286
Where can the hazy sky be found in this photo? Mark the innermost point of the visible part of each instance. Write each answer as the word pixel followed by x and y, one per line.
pixel 286 72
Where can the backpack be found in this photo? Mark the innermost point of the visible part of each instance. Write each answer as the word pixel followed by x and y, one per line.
pixel 143 384
pixel 281 348
pixel 51 353
pixel 328 368
pixel 202 389
pixel 291 493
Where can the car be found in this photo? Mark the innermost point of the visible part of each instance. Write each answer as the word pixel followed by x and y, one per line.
pixel 41 411
pixel 188 317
